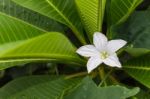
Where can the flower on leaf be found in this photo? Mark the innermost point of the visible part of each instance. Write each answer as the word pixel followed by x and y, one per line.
pixel 103 51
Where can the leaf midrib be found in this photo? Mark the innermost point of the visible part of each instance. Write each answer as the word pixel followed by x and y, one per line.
pixel 130 10
pixel 24 22
pixel 139 68
pixel 74 29
pixel 41 57
pixel 99 15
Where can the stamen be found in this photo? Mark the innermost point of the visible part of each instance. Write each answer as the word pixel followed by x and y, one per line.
pixel 104 55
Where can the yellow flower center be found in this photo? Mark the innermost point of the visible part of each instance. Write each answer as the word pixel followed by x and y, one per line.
pixel 104 55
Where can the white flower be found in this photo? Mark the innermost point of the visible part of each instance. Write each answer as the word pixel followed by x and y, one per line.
pixel 103 51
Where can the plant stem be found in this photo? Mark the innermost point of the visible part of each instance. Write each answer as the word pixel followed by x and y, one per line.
pixel 102 74
pixel 105 77
pixel 114 80
pixel 76 75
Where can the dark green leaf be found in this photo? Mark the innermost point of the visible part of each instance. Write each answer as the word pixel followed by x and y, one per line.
pixel 88 90
pixel 139 69
pixel 118 12
pixel 137 32
pixel 37 87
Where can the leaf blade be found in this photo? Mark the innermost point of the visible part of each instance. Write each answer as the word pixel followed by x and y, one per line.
pixel 37 87
pixel 139 69
pixel 91 13
pixel 61 11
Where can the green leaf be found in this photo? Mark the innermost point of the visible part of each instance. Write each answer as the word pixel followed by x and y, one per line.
pixel 63 11
pixel 89 90
pixel 91 13
pixel 46 47
pixel 143 95
pixel 136 52
pixel 119 11
pixel 37 87
pixel 137 35
pixel 139 69
pixel 15 33
pixel 10 8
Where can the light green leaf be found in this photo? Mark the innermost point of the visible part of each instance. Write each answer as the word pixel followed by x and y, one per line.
pixel 91 13
pixel 139 69
pixel 63 11
pixel 45 47
pixel 89 90
pixel 15 34
pixel 118 12
pixel 37 87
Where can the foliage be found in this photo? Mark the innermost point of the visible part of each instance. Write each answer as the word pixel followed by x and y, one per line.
pixel 39 38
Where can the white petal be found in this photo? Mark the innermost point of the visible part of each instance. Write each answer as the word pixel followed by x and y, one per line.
pixel 100 40
pixel 93 62
pixel 115 45
pixel 112 61
pixel 87 51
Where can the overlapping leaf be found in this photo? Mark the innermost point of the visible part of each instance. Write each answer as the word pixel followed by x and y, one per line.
pixel 63 11
pixel 92 13
pixel 137 35
pixel 47 47
pixel 118 11
pixel 139 68
pixel 89 90
pixel 10 8
pixel 39 87
pixel 121 9
pixel 17 45
pixel 15 33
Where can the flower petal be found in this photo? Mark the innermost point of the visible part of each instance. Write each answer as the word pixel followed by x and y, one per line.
pixel 112 61
pixel 100 40
pixel 115 45
pixel 87 51
pixel 93 62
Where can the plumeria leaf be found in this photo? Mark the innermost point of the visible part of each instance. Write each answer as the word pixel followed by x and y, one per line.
pixel 16 28
pixel 37 87
pixel 118 12
pixel 143 95
pixel 91 13
pixel 121 9
pixel 139 69
pixel 47 47
pixel 137 35
pixel 16 33
pixel 63 11
pixel 10 8
pixel 136 52
pixel 89 90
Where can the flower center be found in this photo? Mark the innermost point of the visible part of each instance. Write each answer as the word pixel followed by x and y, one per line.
pixel 104 55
